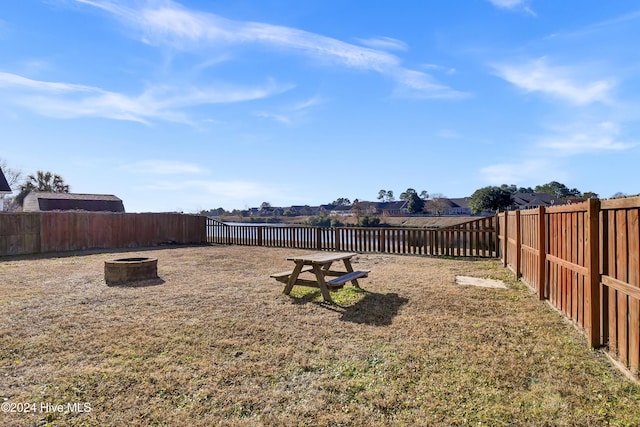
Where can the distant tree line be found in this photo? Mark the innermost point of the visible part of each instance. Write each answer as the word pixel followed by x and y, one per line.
pixel 486 199
pixel 494 198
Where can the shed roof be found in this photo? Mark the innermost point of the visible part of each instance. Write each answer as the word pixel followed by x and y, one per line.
pixel 46 201
pixel 74 196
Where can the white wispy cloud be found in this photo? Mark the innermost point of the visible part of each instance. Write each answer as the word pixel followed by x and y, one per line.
pixel 308 103
pixel 415 84
pixel 8 80
pixel 447 134
pixel 160 102
pixel 291 114
pixel 446 70
pixel 165 167
pixel 507 4
pixel 585 138
pixel 599 27
pixel 170 24
pixel 514 5
pixel 384 43
pixel 562 82
pixel 281 118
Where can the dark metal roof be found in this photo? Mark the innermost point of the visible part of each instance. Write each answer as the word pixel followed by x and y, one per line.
pixel 4 185
pixel 528 200
pixel 400 204
pixel 460 202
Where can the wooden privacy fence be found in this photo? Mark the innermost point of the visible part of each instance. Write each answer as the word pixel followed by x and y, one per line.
pixel 476 238
pixel 41 232
pixel 583 259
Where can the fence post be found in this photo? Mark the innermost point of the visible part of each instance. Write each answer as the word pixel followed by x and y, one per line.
pixel 259 235
pixel 336 241
pixel 592 288
pixel 318 238
pixel 518 265
pixel 505 239
pixel 542 254
pixel 495 225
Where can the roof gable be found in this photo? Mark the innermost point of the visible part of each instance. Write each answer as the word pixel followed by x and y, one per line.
pixel 396 205
pixel 4 185
pixel 535 199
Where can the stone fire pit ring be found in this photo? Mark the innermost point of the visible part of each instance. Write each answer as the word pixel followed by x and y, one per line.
pixel 129 270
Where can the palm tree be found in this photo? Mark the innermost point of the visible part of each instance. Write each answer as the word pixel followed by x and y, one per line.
pixel 42 181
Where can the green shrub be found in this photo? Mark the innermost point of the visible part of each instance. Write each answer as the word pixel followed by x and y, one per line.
pixel 321 220
pixel 369 222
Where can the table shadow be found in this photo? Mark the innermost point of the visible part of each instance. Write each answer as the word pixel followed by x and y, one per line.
pixel 306 298
pixel 374 309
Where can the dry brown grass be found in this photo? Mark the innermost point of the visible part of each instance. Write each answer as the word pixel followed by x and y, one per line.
pixel 216 343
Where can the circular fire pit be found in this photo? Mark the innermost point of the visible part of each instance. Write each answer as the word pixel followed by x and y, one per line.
pixel 126 270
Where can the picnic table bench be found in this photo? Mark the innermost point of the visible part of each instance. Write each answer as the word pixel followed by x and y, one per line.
pixel 319 264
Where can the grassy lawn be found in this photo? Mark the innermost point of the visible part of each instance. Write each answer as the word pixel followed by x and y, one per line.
pixel 216 343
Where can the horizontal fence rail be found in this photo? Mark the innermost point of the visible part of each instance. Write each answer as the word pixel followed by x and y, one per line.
pixel 585 260
pixel 476 238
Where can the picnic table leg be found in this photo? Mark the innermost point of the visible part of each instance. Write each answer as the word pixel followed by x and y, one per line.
pixel 347 265
pixel 321 283
pixel 293 278
pixel 326 267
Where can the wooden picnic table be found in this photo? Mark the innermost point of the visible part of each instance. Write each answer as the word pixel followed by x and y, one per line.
pixel 319 264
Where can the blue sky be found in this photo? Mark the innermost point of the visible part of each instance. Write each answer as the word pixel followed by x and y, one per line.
pixel 190 105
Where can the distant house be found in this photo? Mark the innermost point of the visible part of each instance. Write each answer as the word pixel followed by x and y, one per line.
pixel 399 208
pixel 533 200
pixel 445 206
pixel 365 208
pixel 4 189
pixel 304 210
pixel 342 210
pixel 37 201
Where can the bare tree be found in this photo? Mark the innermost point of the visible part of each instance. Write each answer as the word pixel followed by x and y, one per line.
pixel 439 204
pixel 14 179
pixel 14 176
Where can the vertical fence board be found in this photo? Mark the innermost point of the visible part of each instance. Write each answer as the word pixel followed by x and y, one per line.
pixel 613 294
pixel 621 274
pixel 633 233
pixel 593 279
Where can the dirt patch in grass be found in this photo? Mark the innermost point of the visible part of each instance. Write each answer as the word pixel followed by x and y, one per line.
pixel 214 342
